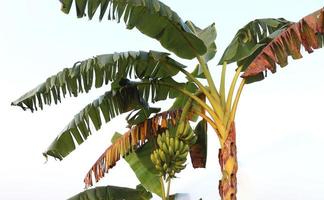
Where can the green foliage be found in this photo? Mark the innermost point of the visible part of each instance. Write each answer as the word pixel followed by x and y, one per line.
pixel 128 97
pixel 97 71
pixel 140 78
pixel 253 36
pixel 113 193
pixel 151 17
pixel 208 36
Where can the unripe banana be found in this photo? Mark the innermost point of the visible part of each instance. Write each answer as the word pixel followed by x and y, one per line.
pixel 172 173
pixel 189 137
pixel 153 158
pixel 180 128
pixel 185 149
pixel 159 140
pixel 171 151
pixel 181 146
pixel 181 167
pixel 165 148
pixel 167 133
pixel 170 156
pixel 163 137
pixel 162 155
pixel 176 144
pixel 179 162
pixel 183 155
pixel 172 143
pixel 187 130
pixel 156 155
pixel 167 140
pixel 158 167
pixel 165 167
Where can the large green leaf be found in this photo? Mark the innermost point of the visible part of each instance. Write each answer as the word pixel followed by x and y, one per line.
pixel 308 32
pixel 252 37
pixel 141 164
pixel 99 70
pixel 130 96
pixel 208 36
pixel 151 17
pixel 113 193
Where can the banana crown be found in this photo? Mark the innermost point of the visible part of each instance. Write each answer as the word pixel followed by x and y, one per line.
pixel 170 156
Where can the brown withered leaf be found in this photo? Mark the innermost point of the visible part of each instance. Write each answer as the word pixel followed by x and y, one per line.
pixel 308 32
pixel 133 139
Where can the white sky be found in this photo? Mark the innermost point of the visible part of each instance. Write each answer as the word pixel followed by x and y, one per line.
pixel 279 120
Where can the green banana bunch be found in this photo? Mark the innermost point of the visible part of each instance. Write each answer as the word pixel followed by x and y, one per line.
pixel 170 156
pixel 185 133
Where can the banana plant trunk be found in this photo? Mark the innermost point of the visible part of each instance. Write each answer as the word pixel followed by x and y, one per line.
pixel 228 163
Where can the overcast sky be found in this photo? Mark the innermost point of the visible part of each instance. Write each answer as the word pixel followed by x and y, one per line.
pixel 279 121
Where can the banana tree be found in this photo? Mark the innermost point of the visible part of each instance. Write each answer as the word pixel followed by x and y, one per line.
pixel 138 80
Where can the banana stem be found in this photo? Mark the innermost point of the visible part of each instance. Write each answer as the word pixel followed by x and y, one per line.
pixel 168 189
pixel 222 86
pixel 162 188
pixel 211 84
pixel 185 110
pixel 210 122
pixel 215 102
pixel 230 94
pixel 233 111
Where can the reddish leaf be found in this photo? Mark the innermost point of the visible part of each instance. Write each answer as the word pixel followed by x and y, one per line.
pixel 136 137
pixel 308 32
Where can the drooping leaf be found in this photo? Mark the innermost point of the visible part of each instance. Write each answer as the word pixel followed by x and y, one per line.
pixel 113 193
pixel 252 37
pixel 130 96
pixel 142 166
pixel 141 115
pixel 110 105
pixel 308 32
pixel 132 140
pixel 198 151
pixel 151 17
pixel 98 71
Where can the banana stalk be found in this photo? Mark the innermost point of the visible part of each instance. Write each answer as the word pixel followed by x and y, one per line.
pixel 228 163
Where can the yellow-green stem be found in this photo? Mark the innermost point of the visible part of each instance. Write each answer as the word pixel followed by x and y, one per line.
pixel 221 129
pixel 230 94
pixel 210 122
pixel 233 111
pixel 185 110
pixel 205 69
pixel 195 98
pixel 222 85
pixel 162 188
pixel 215 102
pixel 211 84
pixel 168 189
